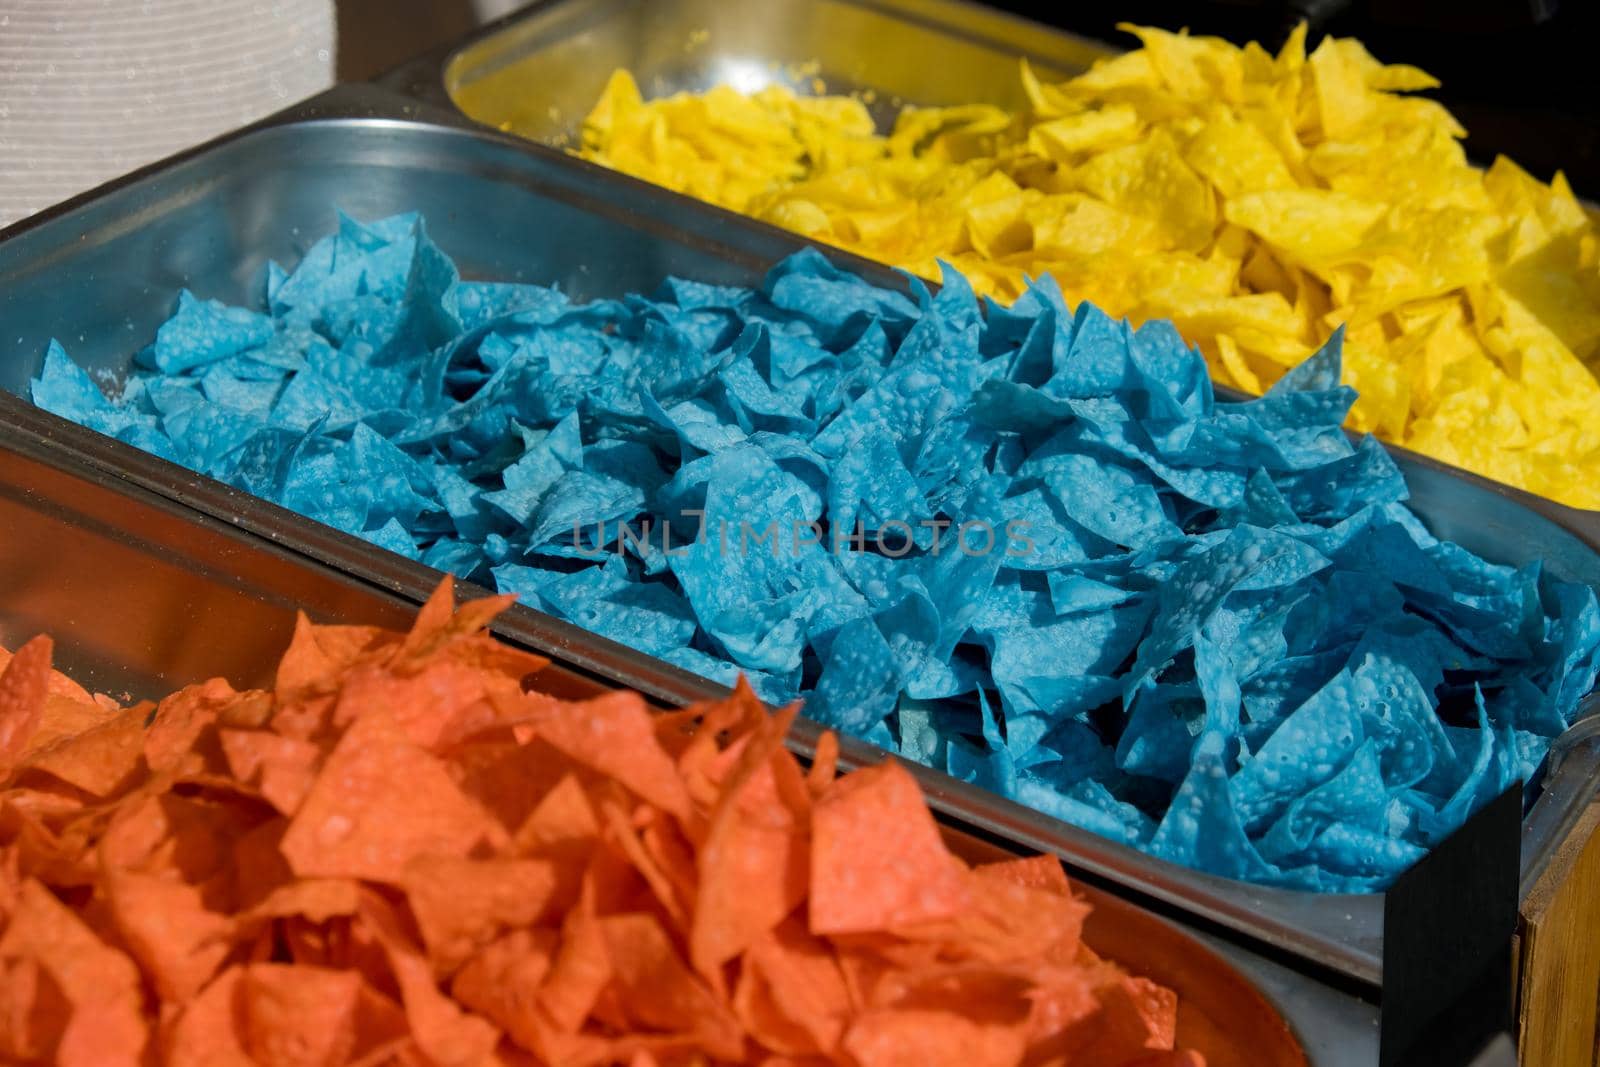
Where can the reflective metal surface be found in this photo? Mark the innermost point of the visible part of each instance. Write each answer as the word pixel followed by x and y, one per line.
pixel 540 71
pixel 142 597
pixel 101 274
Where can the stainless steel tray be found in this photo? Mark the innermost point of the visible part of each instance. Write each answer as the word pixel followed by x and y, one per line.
pixel 142 597
pixel 541 70
pixel 101 272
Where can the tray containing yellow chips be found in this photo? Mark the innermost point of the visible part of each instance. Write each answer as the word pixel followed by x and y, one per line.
pixel 1256 200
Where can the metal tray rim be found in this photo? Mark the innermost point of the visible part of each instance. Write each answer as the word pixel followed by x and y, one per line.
pixel 428 76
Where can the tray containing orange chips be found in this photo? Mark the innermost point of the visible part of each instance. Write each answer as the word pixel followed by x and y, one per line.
pixel 376 834
pixel 213 219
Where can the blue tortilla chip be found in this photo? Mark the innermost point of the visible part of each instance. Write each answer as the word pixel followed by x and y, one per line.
pixel 1159 737
pixel 1357 859
pixel 1201 827
pixel 645 616
pixel 1307 749
pixel 1356 796
pixel 860 683
pixel 1025 545
pixel 827 298
pixel 476 304
pixel 204 331
pixel 992 763
pixel 66 388
pixel 1105 498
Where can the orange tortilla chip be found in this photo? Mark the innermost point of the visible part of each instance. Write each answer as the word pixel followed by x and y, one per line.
pixel 672 855
pixel 698 750
pixel 824 765
pixel 501 982
pixel 318 655
pixel 62 686
pixel 399 855
pixel 508 778
pixel 442 1030
pixel 105 1027
pixel 564 815
pixel 35 1015
pixel 792 996
pixel 462 904
pixel 438 703
pixel 581 969
pixel 24 684
pixel 440 621
pixel 66 716
pixel 659 989
pixel 259 869
pixel 206 1032
pixel 380 1029
pixel 1035 872
pixel 190 838
pixel 933 1039
pixel 629 847
pixel 169 931
pixel 754 863
pixel 180 720
pixel 1005 921
pixel 298 1016
pixel 316 899
pixel 613 734
pixel 877 860
pixel 1136 1017
pixel 380 801
pixel 99 758
pixel 281 768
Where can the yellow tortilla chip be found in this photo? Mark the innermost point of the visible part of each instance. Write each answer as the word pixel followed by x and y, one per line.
pixel 1064 138
pixel 1313 226
pixel 1257 201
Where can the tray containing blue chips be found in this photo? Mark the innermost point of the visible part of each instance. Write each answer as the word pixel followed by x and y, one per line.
pixel 1208 649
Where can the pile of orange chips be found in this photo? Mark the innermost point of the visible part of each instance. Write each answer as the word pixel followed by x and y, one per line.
pixel 1256 201
pixel 399 854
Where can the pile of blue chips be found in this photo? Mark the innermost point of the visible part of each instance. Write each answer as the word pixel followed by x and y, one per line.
pixel 1024 545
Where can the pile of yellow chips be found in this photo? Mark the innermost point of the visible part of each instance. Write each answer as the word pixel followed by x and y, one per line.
pixel 1257 202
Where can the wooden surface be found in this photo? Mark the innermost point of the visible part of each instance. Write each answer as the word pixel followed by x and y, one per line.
pixel 1558 957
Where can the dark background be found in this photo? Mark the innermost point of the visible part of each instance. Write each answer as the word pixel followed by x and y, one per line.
pixel 1521 75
